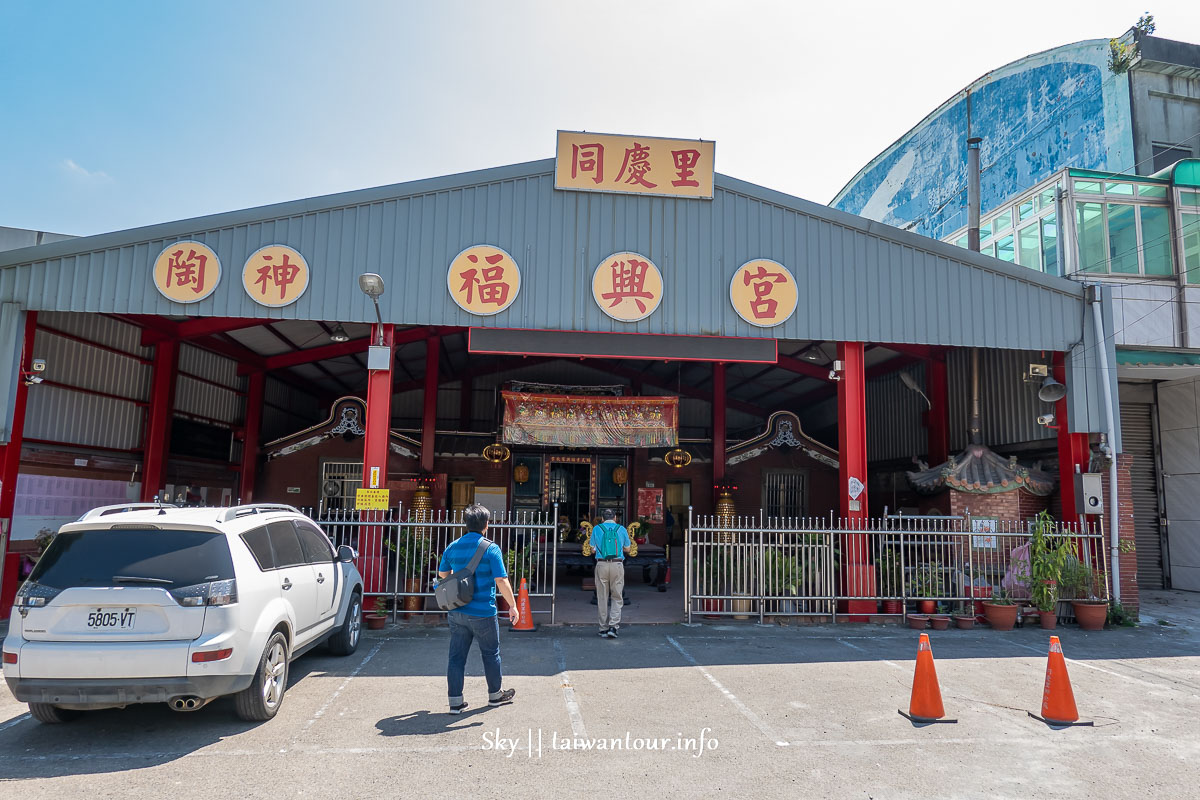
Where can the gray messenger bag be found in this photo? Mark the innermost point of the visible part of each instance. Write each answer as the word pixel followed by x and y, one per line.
pixel 458 589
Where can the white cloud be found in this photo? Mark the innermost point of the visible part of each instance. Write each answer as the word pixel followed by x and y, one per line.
pixel 84 174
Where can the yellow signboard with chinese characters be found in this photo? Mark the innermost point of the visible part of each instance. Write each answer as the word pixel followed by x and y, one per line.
pixel 275 275
pixel 627 286
pixel 371 499
pixel 763 292
pixel 483 280
pixel 187 272
pixel 591 162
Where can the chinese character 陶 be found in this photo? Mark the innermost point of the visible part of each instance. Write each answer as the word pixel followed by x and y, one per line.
pixel 629 282
pixel 588 158
pixel 762 306
pixel 637 161
pixel 685 165
pixel 492 288
pixel 187 271
pixel 281 275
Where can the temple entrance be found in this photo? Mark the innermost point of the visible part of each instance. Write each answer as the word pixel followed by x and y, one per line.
pixel 572 488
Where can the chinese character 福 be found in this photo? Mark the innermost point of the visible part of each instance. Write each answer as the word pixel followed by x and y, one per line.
pixel 492 288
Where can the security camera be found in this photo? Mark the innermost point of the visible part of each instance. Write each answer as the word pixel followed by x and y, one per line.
pixel 38 365
pixel 1046 419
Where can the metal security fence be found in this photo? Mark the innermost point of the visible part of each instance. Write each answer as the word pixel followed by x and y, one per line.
pixel 398 552
pixel 755 567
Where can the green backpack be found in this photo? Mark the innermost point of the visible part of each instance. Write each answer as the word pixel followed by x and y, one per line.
pixel 608 545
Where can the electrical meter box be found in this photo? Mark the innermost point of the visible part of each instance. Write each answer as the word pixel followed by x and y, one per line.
pixel 1089 493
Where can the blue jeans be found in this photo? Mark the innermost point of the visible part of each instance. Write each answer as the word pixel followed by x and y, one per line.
pixel 464 629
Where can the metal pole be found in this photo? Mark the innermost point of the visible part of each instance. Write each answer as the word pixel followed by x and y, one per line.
pixel 687 568
pixel 1110 425
pixel 554 570
pixel 973 193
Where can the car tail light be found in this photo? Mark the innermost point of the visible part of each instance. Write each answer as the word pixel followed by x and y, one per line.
pixel 204 656
pixel 10 658
pixel 35 595
pixel 217 593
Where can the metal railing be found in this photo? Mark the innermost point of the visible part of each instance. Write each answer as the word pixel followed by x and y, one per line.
pixel 398 551
pixel 746 567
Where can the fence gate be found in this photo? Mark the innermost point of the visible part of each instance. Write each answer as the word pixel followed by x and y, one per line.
pixel 399 550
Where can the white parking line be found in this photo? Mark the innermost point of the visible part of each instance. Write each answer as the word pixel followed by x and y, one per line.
pixel 12 723
pixel 568 690
pixel 730 696
pixel 345 683
pixel 1129 678
pixel 863 650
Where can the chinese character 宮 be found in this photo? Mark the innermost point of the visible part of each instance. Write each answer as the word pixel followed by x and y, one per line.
pixel 762 306
pixel 588 158
pixel 685 165
pixel 628 283
pixel 637 163
pixel 281 275
pixel 187 271
pixel 489 280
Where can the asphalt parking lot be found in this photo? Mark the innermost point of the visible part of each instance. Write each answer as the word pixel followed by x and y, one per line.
pixel 802 712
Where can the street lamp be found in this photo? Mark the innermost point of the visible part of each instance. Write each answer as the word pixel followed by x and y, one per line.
pixel 372 286
pixel 338 334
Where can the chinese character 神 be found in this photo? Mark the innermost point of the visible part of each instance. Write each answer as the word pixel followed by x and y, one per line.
pixel 281 275
pixel 187 271
pixel 637 161
pixel 492 288
pixel 685 165
pixel 588 158
pixel 629 282
pixel 762 306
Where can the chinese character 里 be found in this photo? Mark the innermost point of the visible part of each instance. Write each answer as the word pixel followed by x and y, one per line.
pixel 628 282
pixel 637 162
pixel 685 165
pixel 187 271
pixel 588 158
pixel 762 306
pixel 492 288
pixel 281 275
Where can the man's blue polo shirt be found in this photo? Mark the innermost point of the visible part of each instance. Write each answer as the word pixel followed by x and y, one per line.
pixel 491 566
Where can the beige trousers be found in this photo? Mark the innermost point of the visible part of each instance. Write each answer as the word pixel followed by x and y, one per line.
pixel 610 582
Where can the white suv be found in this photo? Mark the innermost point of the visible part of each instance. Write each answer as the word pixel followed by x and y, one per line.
pixel 148 603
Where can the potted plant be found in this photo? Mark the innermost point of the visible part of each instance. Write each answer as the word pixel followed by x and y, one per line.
pixel 783 575
pixel 1081 582
pixel 377 616
pixel 1000 611
pixel 709 574
pixel 519 563
pixel 926 583
pixel 891 580
pixel 412 551
pixel 1046 562
pixel 964 618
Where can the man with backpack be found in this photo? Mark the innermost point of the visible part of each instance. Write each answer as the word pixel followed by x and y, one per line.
pixel 610 542
pixel 473 562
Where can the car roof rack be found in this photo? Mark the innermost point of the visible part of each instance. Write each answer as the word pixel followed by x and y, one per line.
pixel 104 511
pixel 253 508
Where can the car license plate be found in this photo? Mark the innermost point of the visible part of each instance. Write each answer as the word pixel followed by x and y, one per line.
pixel 112 618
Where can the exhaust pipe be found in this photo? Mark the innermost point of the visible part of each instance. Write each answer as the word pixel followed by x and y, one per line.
pixel 188 703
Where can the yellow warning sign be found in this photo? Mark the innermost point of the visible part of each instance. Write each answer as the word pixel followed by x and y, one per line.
pixel 371 499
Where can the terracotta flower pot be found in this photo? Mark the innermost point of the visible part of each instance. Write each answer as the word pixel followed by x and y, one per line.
pixel 964 623
pixel 1001 618
pixel 939 622
pixel 917 621
pixel 893 607
pixel 1090 614
pixel 926 606
pixel 712 605
pixel 1049 620
pixel 413 601
pixel 375 622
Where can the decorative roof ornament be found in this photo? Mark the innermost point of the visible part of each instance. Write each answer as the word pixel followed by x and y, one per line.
pixel 979 470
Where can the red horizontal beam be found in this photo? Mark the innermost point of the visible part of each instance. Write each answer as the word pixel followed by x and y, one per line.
pixel 918 350
pixel 333 350
pixel 803 367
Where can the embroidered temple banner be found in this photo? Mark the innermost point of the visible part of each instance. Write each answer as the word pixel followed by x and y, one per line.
pixel 568 421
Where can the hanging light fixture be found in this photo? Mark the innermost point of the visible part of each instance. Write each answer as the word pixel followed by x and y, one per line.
pixel 521 473
pixel 677 458
pixel 338 334
pixel 620 474
pixel 496 453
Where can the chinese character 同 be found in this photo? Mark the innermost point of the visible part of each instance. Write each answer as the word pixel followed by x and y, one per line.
pixel 637 161
pixel 281 275
pixel 588 158
pixel 628 282
pixel 188 270
pixel 685 165
pixel 762 306
pixel 492 288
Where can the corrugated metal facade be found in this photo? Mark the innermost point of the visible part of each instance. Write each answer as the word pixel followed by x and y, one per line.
pixel 1009 405
pixel 895 425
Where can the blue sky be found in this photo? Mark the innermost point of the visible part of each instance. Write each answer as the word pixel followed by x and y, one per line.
pixel 120 114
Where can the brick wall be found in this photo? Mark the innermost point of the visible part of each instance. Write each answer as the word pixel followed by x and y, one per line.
pixel 1128 561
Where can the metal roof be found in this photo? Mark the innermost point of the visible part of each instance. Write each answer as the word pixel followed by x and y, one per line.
pixel 866 281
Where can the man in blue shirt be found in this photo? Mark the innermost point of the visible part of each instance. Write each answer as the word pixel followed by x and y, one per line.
pixel 610 542
pixel 477 620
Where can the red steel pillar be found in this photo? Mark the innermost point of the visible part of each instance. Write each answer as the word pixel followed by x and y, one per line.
pixel 718 421
pixel 251 423
pixel 379 414
pixel 858 573
pixel 12 468
pixel 1073 448
pixel 939 410
pixel 433 349
pixel 156 443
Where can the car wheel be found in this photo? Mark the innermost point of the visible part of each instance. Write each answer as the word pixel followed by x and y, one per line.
pixel 345 640
pixel 260 701
pixel 53 715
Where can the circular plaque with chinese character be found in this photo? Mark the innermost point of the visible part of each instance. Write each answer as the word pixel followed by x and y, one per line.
pixel 275 275
pixel 763 292
pixel 483 280
pixel 627 286
pixel 187 272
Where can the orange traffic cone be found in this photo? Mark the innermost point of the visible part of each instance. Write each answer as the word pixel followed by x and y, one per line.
pixel 1058 701
pixel 926 702
pixel 525 623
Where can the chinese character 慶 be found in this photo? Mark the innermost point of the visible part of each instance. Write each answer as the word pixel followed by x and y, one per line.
pixel 637 163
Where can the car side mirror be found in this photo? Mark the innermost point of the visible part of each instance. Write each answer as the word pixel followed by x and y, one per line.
pixel 345 554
